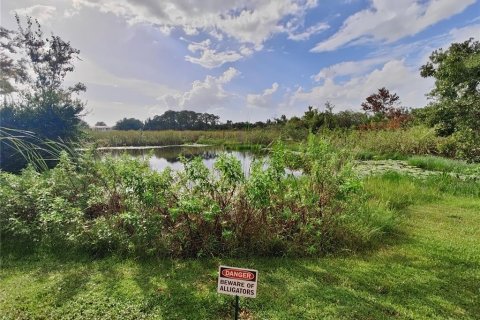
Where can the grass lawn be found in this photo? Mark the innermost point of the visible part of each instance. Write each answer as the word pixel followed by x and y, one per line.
pixel 429 270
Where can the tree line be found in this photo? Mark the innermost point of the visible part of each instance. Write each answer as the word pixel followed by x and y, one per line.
pixel 381 109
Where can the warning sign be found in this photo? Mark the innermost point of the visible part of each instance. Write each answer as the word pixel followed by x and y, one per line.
pixel 237 281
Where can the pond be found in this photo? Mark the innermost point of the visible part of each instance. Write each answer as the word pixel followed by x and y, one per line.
pixel 161 157
pixel 168 156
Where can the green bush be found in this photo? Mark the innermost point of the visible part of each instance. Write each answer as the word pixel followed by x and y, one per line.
pixel 468 144
pixel 124 207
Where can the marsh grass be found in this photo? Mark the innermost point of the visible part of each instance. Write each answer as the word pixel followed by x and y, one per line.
pixel 117 138
pixel 22 146
pixel 434 163
pixel 399 191
pixel 391 144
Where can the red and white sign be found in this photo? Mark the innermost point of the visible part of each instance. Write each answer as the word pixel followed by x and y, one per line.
pixel 237 281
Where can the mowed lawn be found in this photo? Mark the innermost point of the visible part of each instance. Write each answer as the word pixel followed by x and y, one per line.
pixel 430 270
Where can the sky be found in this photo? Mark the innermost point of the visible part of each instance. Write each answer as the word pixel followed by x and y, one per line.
pixel 247 60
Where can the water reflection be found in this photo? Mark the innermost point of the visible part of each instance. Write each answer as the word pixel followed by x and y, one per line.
pixel 161 158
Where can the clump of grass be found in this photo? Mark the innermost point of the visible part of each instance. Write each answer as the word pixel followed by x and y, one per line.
pixel 399 191
pixel 434 163
pixel 21 147
pixel 390 144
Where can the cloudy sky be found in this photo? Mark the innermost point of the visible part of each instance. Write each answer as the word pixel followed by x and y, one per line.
pixel 248 60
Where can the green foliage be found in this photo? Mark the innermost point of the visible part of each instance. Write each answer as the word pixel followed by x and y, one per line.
pixel 313 120
pixel 434 163
pixel 468 144
pixel 120 205
pixel 182 120
pixel 417 140
pixel 116 138
pixel 129 124
pixel 12 70
pixel 455 70
pixel 366 145
pixel 399 191
pixel 44 106
pixel 456 106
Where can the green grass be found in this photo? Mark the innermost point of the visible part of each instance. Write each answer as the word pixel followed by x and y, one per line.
pixel 443 164
pixel 429 268
pixel 116 138
pixel 391 144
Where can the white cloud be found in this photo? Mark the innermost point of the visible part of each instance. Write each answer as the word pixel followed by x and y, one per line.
pixel 391 20
pixel 384 68
pixel 463 34
pixel 348 68
pixel 245 24
pixel 395 75
pixel 211 58
pixel 263 100
pixel 40 12
pixel 257 24
pixel 90 73
pixel 203 95
pixel 248 22
pixel 307 33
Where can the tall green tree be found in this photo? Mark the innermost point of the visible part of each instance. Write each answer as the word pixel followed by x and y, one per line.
pixel 182 120
pixel 455 106
pixel 35 98
pixel 128 124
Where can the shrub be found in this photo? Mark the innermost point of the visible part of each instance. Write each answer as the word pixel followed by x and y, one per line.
pixel 121 206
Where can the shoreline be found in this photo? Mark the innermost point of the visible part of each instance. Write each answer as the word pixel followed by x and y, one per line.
pixel 196 145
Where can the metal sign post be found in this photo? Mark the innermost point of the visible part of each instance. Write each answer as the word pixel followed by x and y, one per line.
pixel 236 307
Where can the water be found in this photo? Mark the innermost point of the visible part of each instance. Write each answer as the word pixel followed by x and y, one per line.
pixel 163 157
pixel 168 157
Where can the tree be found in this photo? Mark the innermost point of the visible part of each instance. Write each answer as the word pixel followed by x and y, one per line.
pixel 455 106
pixel 381 103
pixel 100 124
pixel 129 124
pixel 385 109
pixel 456 94
pixel 42 105
pixel 311 119
pixel 182 120
pixel 281 121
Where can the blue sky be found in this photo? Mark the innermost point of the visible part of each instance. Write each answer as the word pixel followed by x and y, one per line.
pixel 248 60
